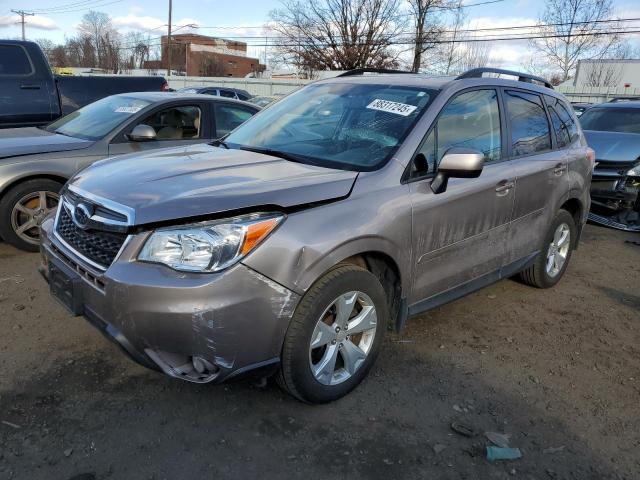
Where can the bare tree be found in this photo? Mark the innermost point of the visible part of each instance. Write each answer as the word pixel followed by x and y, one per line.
pixel 572 31
pixel 427 27
pixel 97 30
pixel 454 56
pixel 47 47
pixel 135 50
pixel 472 55
pixel 337 34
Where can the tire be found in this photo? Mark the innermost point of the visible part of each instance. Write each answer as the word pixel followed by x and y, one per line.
pixel 538 274
pixel 27 194
pixel 297 361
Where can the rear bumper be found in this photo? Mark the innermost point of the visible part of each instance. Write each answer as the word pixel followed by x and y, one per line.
pixel 234 320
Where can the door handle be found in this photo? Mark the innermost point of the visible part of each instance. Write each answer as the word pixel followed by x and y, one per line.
pixel 504 187
pixel 559 169
pixel 30 87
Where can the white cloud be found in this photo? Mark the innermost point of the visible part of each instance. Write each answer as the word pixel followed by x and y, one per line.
pixel 38 22
pixel 152 24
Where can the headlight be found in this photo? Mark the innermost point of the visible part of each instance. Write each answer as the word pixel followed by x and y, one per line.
pixel 208 246
pixel 634 171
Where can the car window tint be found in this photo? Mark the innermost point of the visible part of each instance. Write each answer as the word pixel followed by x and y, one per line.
pixel 14 61
pixel 529 126
pixel 227 94
pixel 176 123
pixel 564 126
pixel 228 117
pixel 471 120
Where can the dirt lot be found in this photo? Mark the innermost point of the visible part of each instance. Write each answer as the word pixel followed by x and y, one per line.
pixel 558 370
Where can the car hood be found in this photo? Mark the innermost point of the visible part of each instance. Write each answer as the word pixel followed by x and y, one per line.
pixel 178 183
pixel 31 140
pixel 614 146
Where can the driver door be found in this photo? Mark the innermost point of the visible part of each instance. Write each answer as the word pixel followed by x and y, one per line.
pixel 175 125
pixel 460 235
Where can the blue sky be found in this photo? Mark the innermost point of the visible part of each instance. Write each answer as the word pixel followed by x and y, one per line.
pixel 239 16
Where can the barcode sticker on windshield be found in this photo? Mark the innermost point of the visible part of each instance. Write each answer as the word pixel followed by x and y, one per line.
pixel 392 107
pixel 128 109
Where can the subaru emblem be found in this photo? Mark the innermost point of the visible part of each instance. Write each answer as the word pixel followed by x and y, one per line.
pixel 81 215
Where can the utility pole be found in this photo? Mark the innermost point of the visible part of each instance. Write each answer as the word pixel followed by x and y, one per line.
pixel 169 43
pixel 22 14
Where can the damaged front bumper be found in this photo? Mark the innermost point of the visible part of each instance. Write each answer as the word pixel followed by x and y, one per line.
pixel 196 327
pixel 615 199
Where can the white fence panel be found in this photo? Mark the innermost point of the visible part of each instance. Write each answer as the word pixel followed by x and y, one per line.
pixel 596 94
pixel 255 86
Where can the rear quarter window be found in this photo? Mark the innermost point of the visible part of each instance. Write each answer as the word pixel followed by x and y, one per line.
pixel 14 61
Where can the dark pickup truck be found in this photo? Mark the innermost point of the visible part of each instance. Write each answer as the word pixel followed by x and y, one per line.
pixel 31 95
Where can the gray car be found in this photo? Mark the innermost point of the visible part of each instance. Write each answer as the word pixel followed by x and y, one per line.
pixel 294 243
pixel 36 162
pixel 613 131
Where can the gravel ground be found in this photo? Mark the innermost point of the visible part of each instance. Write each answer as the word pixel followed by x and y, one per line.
pixel 557 370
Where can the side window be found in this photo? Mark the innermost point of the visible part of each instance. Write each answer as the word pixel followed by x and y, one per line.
pixel 14 61
pixel 529 126
pixel 227 94
pixel 176 123
pixel 228 117
pixel 470 120
pixel 564 125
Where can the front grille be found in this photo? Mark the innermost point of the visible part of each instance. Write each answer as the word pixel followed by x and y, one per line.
pixel 98 246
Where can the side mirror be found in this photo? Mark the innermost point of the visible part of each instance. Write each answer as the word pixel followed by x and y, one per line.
pixel 457 163
pixel 142 133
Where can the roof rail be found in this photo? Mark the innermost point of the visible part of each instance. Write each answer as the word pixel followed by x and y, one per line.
pixel 522 77
pixel 361 71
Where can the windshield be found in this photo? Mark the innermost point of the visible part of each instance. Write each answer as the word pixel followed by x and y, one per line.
pixel 626 120
pixel 340 125
pixel 97 119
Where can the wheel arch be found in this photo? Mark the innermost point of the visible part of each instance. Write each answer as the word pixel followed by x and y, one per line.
pixel 25 178
pixel 574 206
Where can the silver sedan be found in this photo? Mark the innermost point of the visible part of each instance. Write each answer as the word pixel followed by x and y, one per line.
pixel 36 162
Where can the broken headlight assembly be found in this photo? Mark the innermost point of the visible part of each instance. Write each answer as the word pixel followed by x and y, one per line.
pixel 634 171
pixel 208 246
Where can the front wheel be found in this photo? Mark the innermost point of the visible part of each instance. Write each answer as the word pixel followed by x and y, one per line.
pixel 334 336
pixel 552 261
pixel 22 210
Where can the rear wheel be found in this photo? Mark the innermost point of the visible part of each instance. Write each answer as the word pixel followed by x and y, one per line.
pixel 22 210
pixel 552 261
pixel 334 336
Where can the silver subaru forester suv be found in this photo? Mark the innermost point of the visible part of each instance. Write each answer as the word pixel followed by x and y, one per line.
pixel 292 244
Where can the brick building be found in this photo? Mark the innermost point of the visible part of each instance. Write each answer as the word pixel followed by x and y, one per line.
pixel 202 56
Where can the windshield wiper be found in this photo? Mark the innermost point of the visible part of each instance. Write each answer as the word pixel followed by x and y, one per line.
pixel 220 142
pixel 277 153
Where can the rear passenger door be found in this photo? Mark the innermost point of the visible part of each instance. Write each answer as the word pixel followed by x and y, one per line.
pixel 26 88
pixel 540 168
pixel 460 235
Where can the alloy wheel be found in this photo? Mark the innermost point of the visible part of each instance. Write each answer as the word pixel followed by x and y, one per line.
pixel 29 212
pixel 558 250
pixel 342 338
